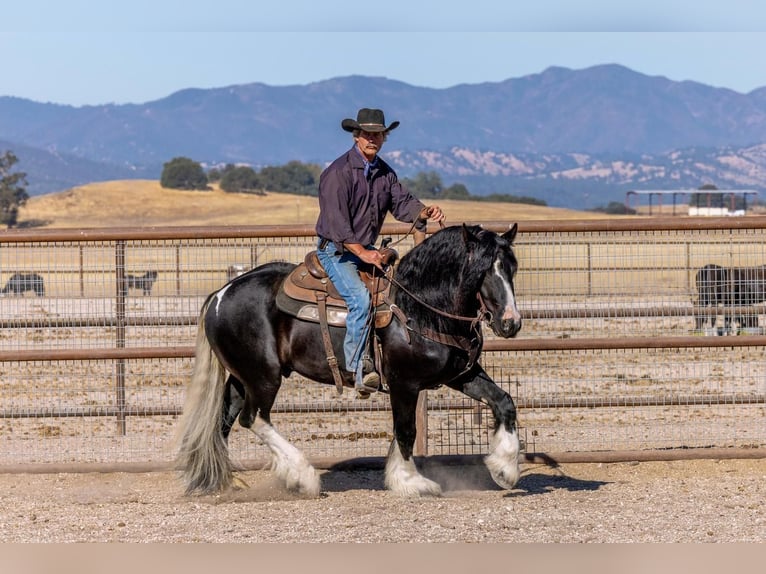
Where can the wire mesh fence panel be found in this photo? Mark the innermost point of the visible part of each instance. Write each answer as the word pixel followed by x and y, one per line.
pixel 642 283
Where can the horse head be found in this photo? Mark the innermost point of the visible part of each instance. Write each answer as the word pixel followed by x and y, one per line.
pixel 497 291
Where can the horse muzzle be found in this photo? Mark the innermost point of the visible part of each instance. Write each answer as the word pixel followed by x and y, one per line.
pixel 506 328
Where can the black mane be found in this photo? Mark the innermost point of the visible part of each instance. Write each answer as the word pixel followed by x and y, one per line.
pixel 446 272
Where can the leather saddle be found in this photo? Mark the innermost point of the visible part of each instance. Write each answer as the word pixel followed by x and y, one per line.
pixel 308 294
pixel 308 286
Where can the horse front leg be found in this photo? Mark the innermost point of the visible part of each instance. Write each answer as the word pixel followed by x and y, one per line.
pixel 503 458
pixel 401 475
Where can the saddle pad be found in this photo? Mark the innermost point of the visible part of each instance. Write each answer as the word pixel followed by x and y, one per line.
pixel 336 316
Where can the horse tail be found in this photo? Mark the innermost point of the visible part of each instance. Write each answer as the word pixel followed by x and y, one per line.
pixel 203 454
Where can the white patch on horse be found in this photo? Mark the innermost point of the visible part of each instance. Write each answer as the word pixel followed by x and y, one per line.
pixel 287 462
pixel 402 476
pixel 503 458
pixel 219 298
pixel 510 311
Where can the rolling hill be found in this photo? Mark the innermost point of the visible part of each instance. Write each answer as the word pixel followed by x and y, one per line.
pixel 128 203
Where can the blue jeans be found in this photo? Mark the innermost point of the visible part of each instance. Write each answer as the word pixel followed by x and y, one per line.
pixel 342 268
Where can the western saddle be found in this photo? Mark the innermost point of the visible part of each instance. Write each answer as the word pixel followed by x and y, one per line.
pixel 308 294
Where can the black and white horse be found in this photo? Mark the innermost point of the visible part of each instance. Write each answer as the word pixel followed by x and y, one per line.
pixel 444 287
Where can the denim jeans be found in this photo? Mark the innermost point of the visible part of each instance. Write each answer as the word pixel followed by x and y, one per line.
pixel 342 268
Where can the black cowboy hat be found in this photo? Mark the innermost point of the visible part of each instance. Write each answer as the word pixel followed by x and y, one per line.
pixel 368 120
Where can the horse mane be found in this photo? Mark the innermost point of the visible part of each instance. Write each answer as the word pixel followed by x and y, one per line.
pixel 446 272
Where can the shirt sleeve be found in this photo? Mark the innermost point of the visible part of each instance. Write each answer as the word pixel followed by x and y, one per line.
pixel 405 206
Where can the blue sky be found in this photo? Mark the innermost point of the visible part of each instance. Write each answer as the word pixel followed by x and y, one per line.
pixel 87 52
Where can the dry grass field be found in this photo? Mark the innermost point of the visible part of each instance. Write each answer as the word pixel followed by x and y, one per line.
pixel 129 203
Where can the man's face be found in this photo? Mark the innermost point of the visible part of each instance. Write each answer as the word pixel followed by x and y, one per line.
pixel 369 143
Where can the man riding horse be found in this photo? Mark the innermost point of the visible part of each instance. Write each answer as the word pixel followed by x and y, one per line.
pixel 356 192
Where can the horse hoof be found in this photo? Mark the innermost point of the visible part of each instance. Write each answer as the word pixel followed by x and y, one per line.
pixel 239 484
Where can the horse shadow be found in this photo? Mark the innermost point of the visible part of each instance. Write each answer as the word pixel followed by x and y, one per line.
pixel 455 479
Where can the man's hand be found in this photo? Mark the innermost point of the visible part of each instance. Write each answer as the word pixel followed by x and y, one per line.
pixel 371 256
pixel 432 212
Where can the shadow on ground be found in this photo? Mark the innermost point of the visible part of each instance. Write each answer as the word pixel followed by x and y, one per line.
pixel 458 478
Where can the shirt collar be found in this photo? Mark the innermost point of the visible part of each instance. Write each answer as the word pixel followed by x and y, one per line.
pixel 368 165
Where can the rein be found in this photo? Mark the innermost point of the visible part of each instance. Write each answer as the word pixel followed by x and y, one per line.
pixel 482 314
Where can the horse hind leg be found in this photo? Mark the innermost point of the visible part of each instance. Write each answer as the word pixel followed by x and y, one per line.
pixel 233 404
pixel 287 462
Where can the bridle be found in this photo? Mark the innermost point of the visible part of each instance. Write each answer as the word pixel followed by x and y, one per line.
pixel 483 314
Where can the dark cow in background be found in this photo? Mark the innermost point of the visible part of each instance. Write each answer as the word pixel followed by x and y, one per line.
pixel 144 282
pixel 710 281
pixel 733 288
pixel 19 283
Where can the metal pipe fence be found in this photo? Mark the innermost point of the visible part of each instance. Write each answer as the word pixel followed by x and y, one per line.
pixel 610 359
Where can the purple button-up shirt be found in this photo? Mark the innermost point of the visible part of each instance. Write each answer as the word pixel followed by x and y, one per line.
pixel 352 208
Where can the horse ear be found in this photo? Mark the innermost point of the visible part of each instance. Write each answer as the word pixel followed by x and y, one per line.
pixel 510 235
pixel 469 237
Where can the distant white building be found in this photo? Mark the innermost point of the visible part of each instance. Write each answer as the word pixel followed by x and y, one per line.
pixel 709 211
pixel 703 200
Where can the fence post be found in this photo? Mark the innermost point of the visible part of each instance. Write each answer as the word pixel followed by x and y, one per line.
pixel 178 269
pixel 122 291
pixel 421 409
pixel 82 272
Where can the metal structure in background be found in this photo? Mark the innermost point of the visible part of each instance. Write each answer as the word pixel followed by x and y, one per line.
pixel 608 365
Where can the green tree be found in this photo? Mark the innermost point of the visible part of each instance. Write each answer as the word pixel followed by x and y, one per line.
pixel 457 191
pixel 213 175
pixel 426 185
pixel 183 173
pixel 241 179
pixel 615 208
pixel 13 192
pixel 294 177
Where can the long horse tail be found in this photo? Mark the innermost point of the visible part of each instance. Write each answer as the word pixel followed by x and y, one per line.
pixel 203 453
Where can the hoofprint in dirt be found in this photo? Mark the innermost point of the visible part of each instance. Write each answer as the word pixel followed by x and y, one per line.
pixel 679 501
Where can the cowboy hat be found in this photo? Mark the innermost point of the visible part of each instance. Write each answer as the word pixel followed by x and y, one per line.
pixel 368 120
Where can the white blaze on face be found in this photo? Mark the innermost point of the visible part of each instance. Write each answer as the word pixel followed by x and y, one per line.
pixel 510 312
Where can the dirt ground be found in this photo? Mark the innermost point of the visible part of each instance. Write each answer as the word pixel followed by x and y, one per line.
pixel 679 501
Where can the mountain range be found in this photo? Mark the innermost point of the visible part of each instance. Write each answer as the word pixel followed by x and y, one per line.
pixel 573 138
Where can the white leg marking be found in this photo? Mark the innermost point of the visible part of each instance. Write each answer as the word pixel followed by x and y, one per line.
pixel 219 297
pixel 402 476
pixel 287 462
pixel 510 311
pixel 503 458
